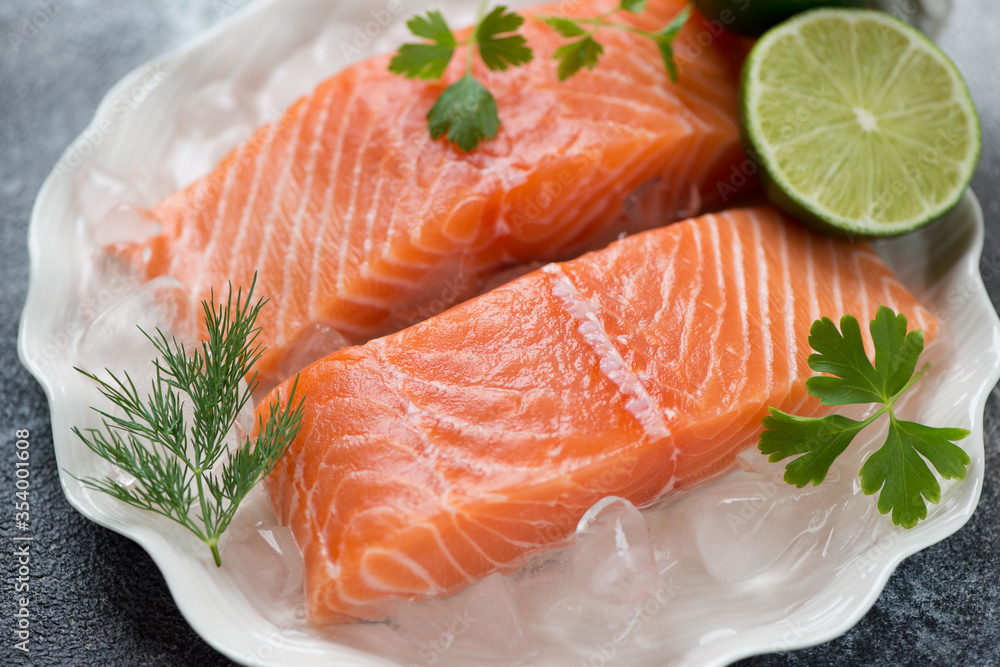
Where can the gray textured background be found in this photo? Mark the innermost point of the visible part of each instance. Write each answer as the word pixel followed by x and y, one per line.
pixel 99 600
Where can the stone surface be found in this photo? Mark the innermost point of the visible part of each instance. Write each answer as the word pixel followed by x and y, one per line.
pixel 98 599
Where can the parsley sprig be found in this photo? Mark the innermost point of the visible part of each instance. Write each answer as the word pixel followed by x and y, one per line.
pixel 172 460
pixel 898 471
pixel 466 111
pixel 587 51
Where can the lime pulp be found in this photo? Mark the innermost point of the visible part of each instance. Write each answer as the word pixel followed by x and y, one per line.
pixel 861 125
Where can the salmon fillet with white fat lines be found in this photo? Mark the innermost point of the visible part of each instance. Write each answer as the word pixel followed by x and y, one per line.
pixel 357 221
pixel 452 449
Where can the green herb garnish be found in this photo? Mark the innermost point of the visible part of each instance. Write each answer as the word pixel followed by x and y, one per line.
pixel 899 468
pixel 587 51
pixel 171 459
pixel 466 111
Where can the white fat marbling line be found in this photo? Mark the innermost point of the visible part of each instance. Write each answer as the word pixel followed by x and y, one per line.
pixel 764 300
pixel 294 140
pixel 739 276
pixel 291 258
pixel 219 215
pixel 639 403
pixel 405 563
pixel 323 252
pixel 790 306
pixel 356 175
pixel 838 292
pixel 235 244
pixel 811 279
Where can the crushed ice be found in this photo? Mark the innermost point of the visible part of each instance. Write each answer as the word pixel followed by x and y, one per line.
pixel 613 556
pixel 632 583
pixel 119 476
pixel 114 341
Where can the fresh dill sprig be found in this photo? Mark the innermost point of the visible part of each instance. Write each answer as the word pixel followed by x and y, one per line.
pixel 587 51
pixel 898 471
pixel 171 459
pixel 465 111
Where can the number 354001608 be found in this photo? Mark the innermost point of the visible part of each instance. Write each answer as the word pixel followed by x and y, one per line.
pixel 21 482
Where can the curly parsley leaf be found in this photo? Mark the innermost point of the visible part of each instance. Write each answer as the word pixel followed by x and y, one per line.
pixel 852 377
pixel 896 351
pixel 425 61
pixel 466 112
pixel 635 6
pixel 564 26
pixel 500 53
pixel 899 470
pixel 585 52
pixel 421 61
pixel 665 41
pixel 576 55
pixel 903 477
pixel 462 112
pixel 819 440
pixel 432 27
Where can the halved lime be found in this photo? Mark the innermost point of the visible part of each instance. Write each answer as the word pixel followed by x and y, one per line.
pixel 752 17
pixel 861 126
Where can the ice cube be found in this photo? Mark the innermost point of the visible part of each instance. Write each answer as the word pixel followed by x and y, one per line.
pixel 745 524
pixel 613 555
pixel 431 627
pixel 593 590
pixel 295 76
pixel 265 562
pixel 125 223
pixel 484 619
pixel 210 111
pixel 98 191
pixel 315 342
pixel 212 121
pixel 113 340
pixel 119 476
pixel 497 623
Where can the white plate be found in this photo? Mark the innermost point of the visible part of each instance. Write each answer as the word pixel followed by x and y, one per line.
pixel 784 598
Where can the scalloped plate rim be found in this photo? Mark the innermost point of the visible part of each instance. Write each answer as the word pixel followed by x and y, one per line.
pixel 169 561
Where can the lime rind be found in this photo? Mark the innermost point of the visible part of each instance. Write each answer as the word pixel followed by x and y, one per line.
pixel 860 151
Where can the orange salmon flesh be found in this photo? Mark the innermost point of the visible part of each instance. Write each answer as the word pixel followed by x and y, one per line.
pixel 455 448
pixel 356 221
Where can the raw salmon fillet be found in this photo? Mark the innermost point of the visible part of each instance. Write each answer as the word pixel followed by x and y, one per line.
pixel 358 222
pixel 452 449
